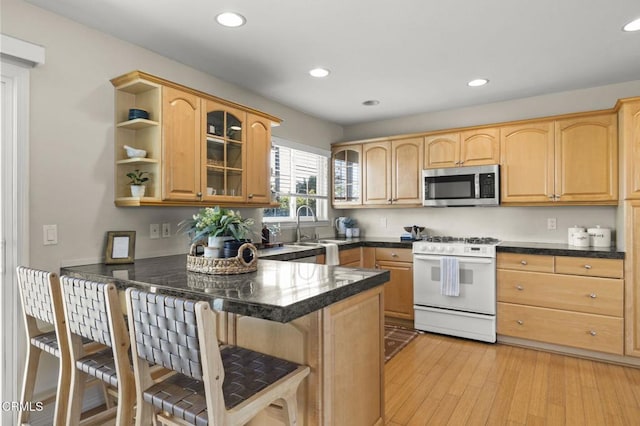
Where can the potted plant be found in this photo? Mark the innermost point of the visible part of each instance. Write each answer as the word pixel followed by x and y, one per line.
pixel 218 225
pixel 137 181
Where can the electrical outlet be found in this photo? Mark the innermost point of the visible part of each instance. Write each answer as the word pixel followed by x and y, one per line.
pixel 551 223
pixel 166 230
pixel 154 231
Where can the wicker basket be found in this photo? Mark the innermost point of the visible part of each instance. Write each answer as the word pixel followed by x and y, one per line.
pixel 223 266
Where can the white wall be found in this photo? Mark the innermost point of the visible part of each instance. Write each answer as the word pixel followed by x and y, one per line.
pixel 71 133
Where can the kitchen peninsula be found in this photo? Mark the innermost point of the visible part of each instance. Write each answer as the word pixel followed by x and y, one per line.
pixel 328 317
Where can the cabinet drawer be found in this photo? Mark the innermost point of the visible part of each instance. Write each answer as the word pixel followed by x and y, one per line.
pixel 525 262
pixel 579 330
pixel 394 254
pixel 604 296
pixel 612 268
pixel 350 256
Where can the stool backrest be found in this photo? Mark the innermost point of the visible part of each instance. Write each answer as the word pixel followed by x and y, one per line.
pixel 86 309
pixel 166 332
pixel 36 293
pixel 180 335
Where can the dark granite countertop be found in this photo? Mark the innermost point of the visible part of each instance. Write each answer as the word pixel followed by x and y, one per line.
pixel 552 249
pixel 277 291
pixel 557 249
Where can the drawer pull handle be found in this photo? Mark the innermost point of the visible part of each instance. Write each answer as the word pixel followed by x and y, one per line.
pixel 592 332
pixel 394 255
pixel 587 266
pixel 519 288
pixel 523 262
pixel 520 322
pixel 593 295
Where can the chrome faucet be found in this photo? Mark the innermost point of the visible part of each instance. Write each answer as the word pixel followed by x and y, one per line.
pixel 299 235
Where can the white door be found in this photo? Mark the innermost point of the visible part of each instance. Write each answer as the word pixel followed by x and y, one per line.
pixel 13 229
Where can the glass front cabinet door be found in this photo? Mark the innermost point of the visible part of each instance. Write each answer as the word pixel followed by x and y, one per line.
pixel 347 171
pixel 223 153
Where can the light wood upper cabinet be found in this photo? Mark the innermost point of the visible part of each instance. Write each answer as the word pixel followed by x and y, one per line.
pixel 196 146
pixel 406 171
pixel 473 147
pixel 392 171
pixel 629 118
pixel 572 160
pixel 258 159
pixel 479 147
pixel 586 158
pixel 346 168
pixel 527 171
pixel 376 176
pixel 181 134
pixel 441 150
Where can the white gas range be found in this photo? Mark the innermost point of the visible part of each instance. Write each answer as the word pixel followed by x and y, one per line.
pixel 454 286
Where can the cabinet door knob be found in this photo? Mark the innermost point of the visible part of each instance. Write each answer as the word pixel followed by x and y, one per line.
pixel 389 201
pixel 519 288
pixel 520 322
pixel 593 295
pixel 523 262
pixel 592 332
pixel 377 266
pixel 199 194
pixel 551 196
pixel 394 199
pixel 250 196
pixel 587 266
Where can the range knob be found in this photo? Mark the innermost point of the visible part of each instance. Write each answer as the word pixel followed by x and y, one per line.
pixel 450 249
pixel 431 248
pixel 440 249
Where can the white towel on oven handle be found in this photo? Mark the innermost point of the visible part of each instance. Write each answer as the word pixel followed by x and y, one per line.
pixel 449 276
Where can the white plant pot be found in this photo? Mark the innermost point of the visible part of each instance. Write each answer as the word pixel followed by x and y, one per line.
pixel 215 246
pixel 137 190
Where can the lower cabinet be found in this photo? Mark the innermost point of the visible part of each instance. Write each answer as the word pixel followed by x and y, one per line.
pixel 343 344
pixel 570 301
pixel 398 291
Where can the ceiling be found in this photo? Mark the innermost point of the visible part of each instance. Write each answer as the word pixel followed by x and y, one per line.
pixel 414 56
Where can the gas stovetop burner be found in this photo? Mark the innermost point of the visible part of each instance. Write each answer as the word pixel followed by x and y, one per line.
pixel 462 240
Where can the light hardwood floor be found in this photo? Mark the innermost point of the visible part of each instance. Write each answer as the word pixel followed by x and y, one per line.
pixel 441 380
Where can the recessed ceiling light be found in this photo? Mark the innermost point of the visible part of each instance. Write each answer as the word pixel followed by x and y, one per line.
pixel 478 82
pixel 632 26
pixel 231 19
pixel 371 102
pixel 319 72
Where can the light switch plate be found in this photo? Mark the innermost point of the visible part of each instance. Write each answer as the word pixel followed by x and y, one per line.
pixel 166 230
pixel 49 235
pixel 154 231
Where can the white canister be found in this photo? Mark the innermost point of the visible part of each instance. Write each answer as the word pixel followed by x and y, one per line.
pixel 581 239
pixel 572 231
pixel 599 237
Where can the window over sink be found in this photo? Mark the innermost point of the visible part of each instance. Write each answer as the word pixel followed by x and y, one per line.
pixel 299 176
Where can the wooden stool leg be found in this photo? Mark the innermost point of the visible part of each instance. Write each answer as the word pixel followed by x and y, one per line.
pixel 62 398
pixel 29 380
pixel 126 400
pixel 290 409
pixel 76 395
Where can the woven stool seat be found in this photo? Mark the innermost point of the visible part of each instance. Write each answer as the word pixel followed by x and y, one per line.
pixel 246 373
pixel 100 365
pixel 47 342
pixel 212 384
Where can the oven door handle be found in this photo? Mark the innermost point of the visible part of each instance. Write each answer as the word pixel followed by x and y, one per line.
pixel 480 260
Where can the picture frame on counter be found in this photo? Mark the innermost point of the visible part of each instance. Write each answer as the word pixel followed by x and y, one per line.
pixel 120 247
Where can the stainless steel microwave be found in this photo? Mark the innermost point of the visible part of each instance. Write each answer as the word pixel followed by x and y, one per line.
pixel 461 186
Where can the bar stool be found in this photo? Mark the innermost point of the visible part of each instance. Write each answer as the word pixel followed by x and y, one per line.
pixel 92 310
pixel 41 300
pixel 212 385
